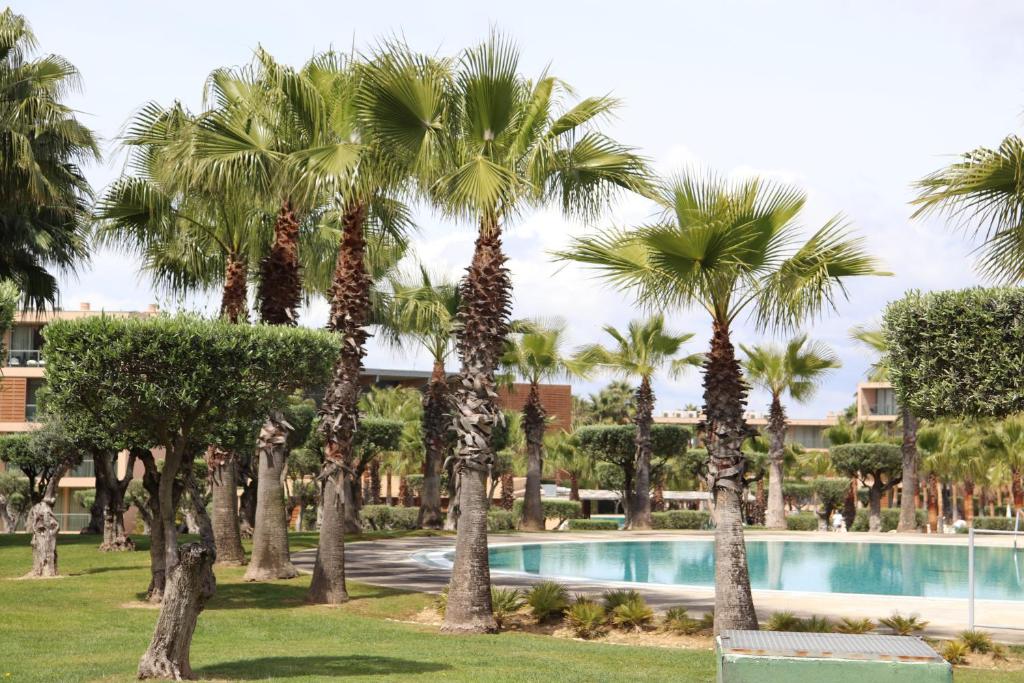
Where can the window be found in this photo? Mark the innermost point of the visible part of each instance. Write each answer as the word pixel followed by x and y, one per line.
pixel 31 389
pixel 885 402
pixel 26 346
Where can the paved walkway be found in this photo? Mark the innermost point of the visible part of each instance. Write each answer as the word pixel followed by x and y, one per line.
pixel 400 564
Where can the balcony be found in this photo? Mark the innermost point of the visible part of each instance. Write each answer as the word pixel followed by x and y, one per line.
pixel 21 358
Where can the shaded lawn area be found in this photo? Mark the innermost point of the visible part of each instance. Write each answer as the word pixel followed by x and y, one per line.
pixel 78 628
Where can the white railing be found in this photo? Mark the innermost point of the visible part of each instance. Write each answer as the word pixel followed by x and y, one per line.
pixel 971 533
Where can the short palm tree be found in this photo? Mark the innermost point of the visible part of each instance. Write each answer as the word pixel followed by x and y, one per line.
pixel 503 146
pixel 730 248
pixel 1006 442
pixel 538 355
pixel 44 196
pixel 983 193
pixel 644 349
pixel 420 308
pixel 874 339
pixel 564 455
pixel 796 369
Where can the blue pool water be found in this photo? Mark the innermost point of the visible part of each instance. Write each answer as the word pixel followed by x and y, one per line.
pixel 818 567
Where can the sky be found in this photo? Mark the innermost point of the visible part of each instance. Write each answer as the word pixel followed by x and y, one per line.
pixel 850 101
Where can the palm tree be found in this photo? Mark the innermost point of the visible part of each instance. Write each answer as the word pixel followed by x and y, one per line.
pixel 983 193
pixel 565 455
pixel 1006 441
pixel 421 308
pixel 879 372
pixel 44 196
pixel 730 248
pixel 537 355
pixel 643 350
pixel 504 147
pixel 796 369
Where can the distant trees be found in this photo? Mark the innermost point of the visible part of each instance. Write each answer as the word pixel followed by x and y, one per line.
pixel 881 462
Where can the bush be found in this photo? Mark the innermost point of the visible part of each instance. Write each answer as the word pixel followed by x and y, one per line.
pixel 633 614
pixel 505 602
pixel 441 601
pixel 798 491
pixel 681 519
pixel 890 519
pixel 994 523
pixel 553 509
pixel 859 626
pixel 547 600
pixel 677 620
pixel 619 596
pixel 783 621
pixel 389 517
pixel 593 525
pixel 816 624
pixel 955 652
pixel 977 641
pixel 904 626
pixel 586 618
pixel 802 521
pixel 500 520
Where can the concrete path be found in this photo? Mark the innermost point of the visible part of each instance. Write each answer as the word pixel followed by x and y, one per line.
pixel 405 564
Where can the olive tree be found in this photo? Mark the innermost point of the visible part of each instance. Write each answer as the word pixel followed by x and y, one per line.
pixel 831 494
pixel 13 500
pixel 177 383
pixel 882 462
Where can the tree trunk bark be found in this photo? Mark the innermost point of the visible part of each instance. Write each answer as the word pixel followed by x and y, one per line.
pixel 483 317
pixel 969 501
pixel 98 510
pixel 875 505
pixel 933 503
pixel 405 492
pixel 247 502
pixel 270 558
pixel 44 527
pixel 227 533
pixel 157 567
pixel 328 584
pixel 234 298
pixel 1017 490
pixel 375 481
pixel 434 429
pixel 908 498
pixel 640 513
pixel 279 290
pixel 574 487
pixel 533 428
pixel 115 539
pixel 726 430
pixel 508 493
pixel 850 505
pixel 941 502
pixel 775 514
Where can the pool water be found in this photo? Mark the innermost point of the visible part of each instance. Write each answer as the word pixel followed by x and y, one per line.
pixel 817 567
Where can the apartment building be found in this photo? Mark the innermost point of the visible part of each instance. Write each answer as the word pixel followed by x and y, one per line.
pixel 22 374
pixel 876 403
pixel 808 433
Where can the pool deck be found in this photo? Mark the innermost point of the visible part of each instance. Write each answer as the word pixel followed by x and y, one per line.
pixel 391 563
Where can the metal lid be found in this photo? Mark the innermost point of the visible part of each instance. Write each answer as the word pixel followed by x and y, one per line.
pixel 827 646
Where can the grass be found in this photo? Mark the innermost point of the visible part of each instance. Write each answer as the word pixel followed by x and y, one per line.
pixel 78 628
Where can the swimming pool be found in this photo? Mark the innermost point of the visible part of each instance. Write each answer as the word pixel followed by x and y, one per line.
pixel 805 566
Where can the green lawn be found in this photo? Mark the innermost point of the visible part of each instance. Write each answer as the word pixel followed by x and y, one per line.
pixel 77 629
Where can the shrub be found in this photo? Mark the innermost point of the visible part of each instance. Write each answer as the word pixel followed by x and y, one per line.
pixel 634 614
pixel 847 625
pixel 816 624
pixel 890 519
pixel 388 517
pixel 505 602
pixel 677 620
pixel 593 525
pixel 500 520
pixel 955 652
pixel 800 492
pixel 587 617
pixel 681 519
pixel 977 641
pixel 441 601
pixel 553 509
pixel 802 521
pixel 547 600
pixel 904 626
pixel 994 523
pixel 783 621
pixel 616 597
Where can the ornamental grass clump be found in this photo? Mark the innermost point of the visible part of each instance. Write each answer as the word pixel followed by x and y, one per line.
pixel 614 598
pixel 547 600
pixel 857 626
pixel 634 614
pixel 904 626
pixel 587 618
pixel 955 652
pixel 782 621
pixel 977 641
pixel 677 620
pixel 505 602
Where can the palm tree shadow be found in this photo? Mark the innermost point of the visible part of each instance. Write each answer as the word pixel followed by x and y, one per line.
pixel 323 666
pixel 258 594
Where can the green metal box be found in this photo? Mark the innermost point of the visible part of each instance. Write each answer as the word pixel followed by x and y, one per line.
pixel 775 657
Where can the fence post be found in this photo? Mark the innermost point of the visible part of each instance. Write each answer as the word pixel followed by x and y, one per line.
pixel 970 579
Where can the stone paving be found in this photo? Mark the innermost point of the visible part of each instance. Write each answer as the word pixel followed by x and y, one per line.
pixel 391 563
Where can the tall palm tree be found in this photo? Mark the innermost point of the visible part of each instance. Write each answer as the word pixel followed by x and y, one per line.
pixel 505 146
pixel 879 372
pixel 983 194
pixel 538 355
pixel 796 369
pixel 1006 441
pixel 730 248
pixel 565 455
pixel 421 308
pixel 643 350
pixel 44 196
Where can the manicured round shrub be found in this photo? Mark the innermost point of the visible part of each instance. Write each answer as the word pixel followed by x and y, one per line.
pixel 802 521
pixel 389 517
pixel 994 523
pixel 890 519
pixel 553 509
pixel 500 520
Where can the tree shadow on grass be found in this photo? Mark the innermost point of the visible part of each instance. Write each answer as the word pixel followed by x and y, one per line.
pixel 259 595
pixel 101 570
pixel 321 666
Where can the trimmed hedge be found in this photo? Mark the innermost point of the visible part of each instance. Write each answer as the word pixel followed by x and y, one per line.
pixel 593 525
pixel 867 458
pixel 553 509
pixel 994 523
pixel 681 519
pixel 802 521
pixel 890 519
pixel 389 517
pixel 500 520
pixel 957 353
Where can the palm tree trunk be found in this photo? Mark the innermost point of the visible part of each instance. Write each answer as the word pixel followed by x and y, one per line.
pixel 850 505
pixel 270 559
pixel 226 528
pixel 941 504
pixel 280 286
pixel 775 517
pixel 483 317
pixel 533 428
pixel 875 504
pixel 375 481
pixel 908 497
pixel 435 411
pixel 574 487
pixel 233 303
pixel 339 413
pixel 640 516
pixel 508 494
pixel 969 501
pixel 324 588
pixel 1017 489
pixel 724 433
pixel 388 500
pixel 933 503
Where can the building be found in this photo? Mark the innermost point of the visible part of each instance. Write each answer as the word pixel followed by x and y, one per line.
pixel 22 374
pixel 808 433
pixel 876 403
